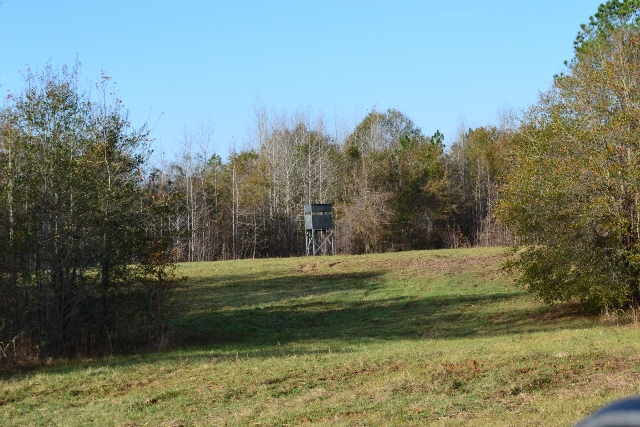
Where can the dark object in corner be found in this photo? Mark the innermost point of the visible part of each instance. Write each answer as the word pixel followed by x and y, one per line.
pixel 622 413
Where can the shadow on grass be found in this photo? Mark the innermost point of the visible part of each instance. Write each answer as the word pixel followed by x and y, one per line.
pixel 248 316
pixel 252 311
pixel 255 289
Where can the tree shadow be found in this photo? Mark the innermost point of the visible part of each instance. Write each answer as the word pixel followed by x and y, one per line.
pixel 250 316
pixel 254 312
pixel 255 289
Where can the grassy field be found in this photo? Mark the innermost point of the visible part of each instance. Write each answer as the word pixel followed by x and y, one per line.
pixel 401 339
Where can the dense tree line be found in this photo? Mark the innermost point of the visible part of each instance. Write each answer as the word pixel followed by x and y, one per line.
pixel 392 188
pixel 90 229
pixel 85 263
pixel 559 181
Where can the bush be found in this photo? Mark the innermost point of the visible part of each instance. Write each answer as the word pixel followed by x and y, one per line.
pixel 573 191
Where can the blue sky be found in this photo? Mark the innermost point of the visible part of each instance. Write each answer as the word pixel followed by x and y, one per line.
pixel 178 64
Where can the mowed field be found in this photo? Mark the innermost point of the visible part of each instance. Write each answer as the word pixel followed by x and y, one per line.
pixel 400 339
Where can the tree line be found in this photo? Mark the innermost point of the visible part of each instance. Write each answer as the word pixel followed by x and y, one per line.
pixel 558 182
pixel 391 186
pixel 91 228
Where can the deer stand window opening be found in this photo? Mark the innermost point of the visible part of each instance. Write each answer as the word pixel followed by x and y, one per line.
pixel 318 224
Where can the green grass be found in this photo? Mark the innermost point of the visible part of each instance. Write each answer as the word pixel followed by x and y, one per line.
pixel 409 338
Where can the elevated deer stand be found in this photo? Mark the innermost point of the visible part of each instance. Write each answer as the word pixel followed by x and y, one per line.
pixel 318 224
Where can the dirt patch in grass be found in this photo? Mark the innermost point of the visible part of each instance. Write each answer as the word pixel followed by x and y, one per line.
pixel 306 267
pixel 486 267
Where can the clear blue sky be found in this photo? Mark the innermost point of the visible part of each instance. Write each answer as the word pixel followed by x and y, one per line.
pixel 181 63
